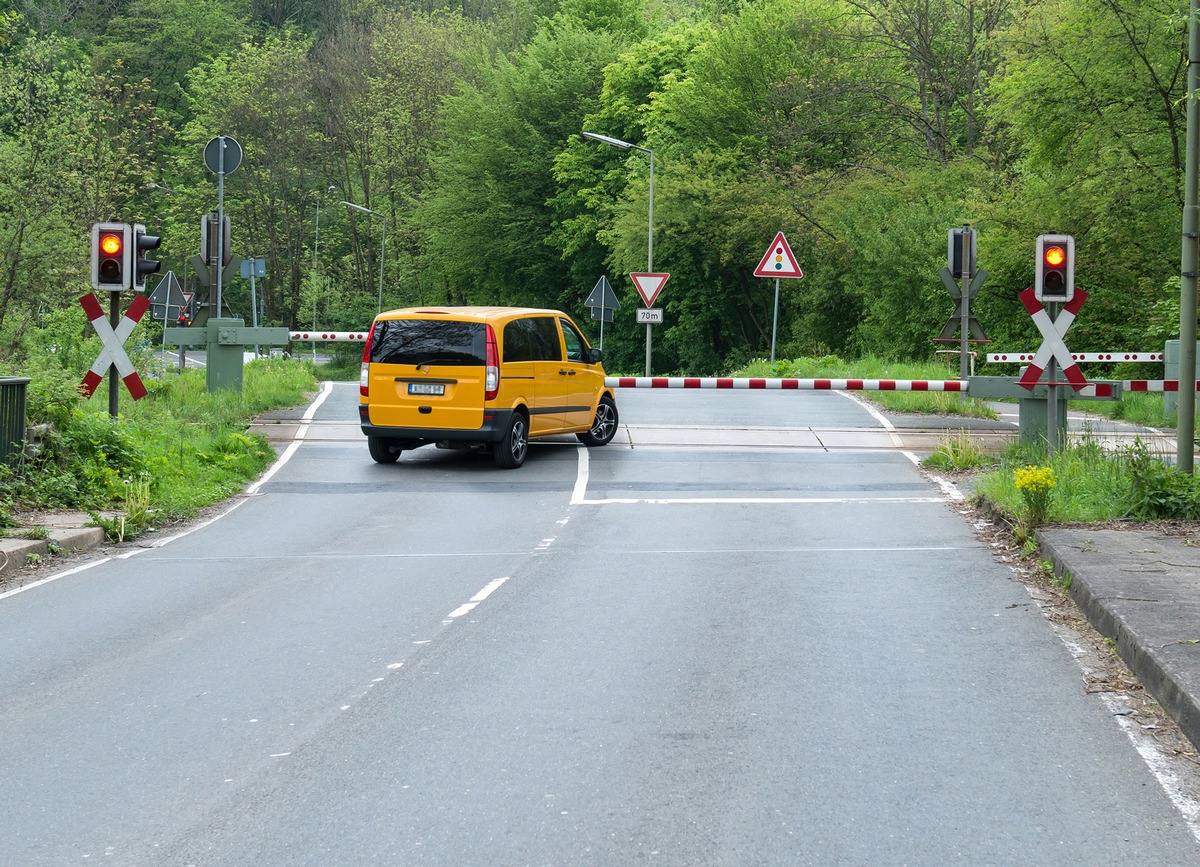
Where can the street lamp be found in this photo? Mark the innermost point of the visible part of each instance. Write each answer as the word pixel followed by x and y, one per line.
pixel 382 244
pixel 316 267
pixel 624 145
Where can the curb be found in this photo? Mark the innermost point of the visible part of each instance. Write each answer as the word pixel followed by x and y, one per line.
pixel 15 554
pixel 1157 647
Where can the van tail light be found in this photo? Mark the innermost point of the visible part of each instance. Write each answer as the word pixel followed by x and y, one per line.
pixel 364 375
pixel 492 377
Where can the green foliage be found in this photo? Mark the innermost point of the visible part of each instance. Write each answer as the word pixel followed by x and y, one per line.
pixel 958 453
pixel 177 450
pixel 863 130
pixel 1158 490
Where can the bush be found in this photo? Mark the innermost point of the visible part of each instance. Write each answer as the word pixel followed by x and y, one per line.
pixel 1159 491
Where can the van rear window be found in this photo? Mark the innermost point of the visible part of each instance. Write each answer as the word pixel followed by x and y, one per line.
pixel 421 341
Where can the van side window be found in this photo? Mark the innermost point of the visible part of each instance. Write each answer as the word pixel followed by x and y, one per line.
pixel 574 340
pixel 518 341
pixel 549 347
pixel 533 339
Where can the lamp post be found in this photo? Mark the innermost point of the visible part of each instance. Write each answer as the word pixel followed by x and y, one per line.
pixel 316 244
pixel 624 145
pixel 382 245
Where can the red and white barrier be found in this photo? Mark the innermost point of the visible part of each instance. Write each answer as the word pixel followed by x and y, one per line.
pixel 1026 357
pixel 728 382
pixel 329 336
pixel 1155 385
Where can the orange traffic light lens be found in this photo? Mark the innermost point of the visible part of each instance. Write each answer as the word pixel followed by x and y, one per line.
pixel 1055 256
pixel 111 244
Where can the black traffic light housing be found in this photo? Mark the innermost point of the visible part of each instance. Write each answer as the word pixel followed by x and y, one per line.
pixel 111 256
pixel 954 252
pixel 142 266
pixel 1054 275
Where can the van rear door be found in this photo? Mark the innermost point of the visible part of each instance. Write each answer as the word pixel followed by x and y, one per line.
pixel 427 373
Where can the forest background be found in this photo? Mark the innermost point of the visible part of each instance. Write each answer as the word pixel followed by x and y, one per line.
pixel 863 129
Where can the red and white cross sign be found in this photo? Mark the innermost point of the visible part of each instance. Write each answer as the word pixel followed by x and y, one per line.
pixel 113 352
pixel 1053 345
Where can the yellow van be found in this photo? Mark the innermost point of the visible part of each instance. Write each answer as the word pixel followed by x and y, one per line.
pixel 480 377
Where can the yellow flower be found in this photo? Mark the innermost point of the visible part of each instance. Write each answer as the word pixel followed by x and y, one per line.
pixel 1033 479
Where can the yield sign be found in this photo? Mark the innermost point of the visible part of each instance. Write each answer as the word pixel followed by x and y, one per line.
pixel 649 285
pixel 1053 345
pixel 778 261
pixel 113 353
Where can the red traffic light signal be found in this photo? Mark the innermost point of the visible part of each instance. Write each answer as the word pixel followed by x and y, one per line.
pixel 111 256
pixel 1054 277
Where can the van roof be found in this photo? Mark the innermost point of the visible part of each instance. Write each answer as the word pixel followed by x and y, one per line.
pixel 474 313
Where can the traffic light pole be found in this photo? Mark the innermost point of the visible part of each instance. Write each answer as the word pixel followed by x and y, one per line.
pixel 220 225
pixel 114 379
pixel 968 271
pixel 1052 394
pixel 1185 430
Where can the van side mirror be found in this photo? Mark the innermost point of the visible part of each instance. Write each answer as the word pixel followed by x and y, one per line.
pixel 595 356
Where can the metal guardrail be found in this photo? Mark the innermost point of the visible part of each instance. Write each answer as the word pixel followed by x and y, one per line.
pixel 12 415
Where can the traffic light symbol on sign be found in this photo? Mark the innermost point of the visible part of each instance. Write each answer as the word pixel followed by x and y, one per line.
pixel 142 266
pixel 110 256
pixel 1054 279
pixel 778 261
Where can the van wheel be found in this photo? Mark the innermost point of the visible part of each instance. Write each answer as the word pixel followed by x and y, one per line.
pixel 604 426
pixel 383 450
pixel 510 451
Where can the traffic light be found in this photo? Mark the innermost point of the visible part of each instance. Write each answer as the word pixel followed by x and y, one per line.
pixel 111 256
pixel 143 267
pixel 1054 278
pixel 954 252
pixel 214 232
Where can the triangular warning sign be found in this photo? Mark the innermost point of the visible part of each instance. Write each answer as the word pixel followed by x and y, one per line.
pixel 649 285
pixel 778 261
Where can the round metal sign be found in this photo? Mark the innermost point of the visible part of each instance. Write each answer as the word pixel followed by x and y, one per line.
pixel 212 154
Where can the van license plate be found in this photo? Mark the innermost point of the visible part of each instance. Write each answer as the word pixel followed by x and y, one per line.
pixel 435 388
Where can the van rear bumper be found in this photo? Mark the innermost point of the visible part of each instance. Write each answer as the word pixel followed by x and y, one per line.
pixel 494 427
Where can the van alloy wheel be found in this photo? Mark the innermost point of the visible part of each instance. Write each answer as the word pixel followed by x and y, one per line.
pixel 604 426
pixel 510 451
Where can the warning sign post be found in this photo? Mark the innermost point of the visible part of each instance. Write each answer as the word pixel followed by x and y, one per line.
pixel 778 262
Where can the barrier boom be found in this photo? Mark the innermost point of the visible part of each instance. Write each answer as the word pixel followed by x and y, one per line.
pixel 728 382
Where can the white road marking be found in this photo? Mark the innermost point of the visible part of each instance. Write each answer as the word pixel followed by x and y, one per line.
pixel 489 589
pixel 306 420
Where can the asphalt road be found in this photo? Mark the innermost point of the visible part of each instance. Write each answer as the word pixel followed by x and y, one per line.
pixel 746 632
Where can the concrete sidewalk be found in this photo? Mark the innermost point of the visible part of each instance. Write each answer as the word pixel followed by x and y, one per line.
pixel 1140 587
pixel 66 532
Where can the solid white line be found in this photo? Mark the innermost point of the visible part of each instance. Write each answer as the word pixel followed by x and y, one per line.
pixel 73 571
pixel 1176 789
pixel 881 549
pixel 756 501
pixel 306 420
pixel 581 478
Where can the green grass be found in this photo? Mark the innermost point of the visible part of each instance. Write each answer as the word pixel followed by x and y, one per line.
pixel 924 402
pixel 959 453
pixel 1138 407
pixel 1091 485
pixel 181 445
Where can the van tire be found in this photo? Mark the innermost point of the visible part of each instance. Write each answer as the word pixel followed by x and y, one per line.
pixel 512 448
pixel 383 450
pixel 604 426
